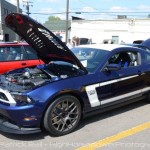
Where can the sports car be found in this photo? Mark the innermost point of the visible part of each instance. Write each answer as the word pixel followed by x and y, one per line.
pixel 71 85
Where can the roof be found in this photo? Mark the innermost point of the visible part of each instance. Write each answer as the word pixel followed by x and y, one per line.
pixel 108 47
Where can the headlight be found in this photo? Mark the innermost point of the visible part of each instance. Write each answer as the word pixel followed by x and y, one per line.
pixel 21 98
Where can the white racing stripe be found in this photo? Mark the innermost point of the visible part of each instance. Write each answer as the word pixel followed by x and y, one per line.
pixel 93 97
pixel 10 101
pixel 121 97
pixel 116 80
pixel 108 82
pixel 92 94
pixel 126 78
pixel 125 95
pixel 145 89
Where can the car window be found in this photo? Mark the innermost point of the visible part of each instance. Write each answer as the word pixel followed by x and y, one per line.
pixel 90 57
pixel 125 59
pixel 83 53
pixel 11 53
pixel 31 53
pixel 146 57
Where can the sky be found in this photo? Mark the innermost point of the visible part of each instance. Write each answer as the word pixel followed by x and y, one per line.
pixel 87 9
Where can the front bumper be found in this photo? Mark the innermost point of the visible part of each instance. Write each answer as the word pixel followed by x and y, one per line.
pixel 8 127
pixel 20 120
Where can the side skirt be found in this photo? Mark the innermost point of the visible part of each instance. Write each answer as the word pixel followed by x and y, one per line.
pixel 104 109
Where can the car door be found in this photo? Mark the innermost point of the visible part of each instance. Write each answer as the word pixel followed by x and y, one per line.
pixel 121 84
pixel 30 57
pixel 145 59
pixel 16 56
pixel 11 57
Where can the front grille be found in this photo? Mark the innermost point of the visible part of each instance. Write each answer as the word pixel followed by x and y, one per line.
pixel 6 119
pixel 3 96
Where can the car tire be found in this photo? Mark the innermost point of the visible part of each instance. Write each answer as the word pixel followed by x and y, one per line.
pixel 63 115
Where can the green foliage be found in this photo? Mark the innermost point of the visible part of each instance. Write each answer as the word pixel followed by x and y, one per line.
pixel 56 24
pixel 52 19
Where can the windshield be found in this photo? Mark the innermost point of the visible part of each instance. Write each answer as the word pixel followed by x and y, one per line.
pixel 89 57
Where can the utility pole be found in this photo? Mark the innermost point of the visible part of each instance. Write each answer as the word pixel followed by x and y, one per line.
pixel 18 11
pixel 67 14
pixel 18 6
pixel 27 4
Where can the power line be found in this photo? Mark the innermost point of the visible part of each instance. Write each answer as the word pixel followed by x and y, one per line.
pixel 83 12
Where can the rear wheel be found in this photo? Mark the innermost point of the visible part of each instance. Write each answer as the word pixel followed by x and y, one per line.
pixel 63 115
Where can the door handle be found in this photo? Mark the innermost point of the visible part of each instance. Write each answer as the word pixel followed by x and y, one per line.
pixel 23 64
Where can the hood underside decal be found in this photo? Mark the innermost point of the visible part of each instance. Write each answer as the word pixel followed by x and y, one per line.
pixel 47 45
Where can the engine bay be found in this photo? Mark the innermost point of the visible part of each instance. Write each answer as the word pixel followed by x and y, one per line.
pixel 20 80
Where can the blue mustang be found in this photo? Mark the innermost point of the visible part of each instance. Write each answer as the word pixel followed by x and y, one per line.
pixel 71 84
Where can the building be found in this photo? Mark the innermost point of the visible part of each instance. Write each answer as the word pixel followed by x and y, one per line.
pixel 120 30
pixel 5 33
pixel 58 27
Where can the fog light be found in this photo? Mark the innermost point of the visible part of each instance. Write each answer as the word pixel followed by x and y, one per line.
pixel 29 119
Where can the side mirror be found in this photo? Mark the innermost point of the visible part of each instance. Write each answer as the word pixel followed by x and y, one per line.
pixel 113 67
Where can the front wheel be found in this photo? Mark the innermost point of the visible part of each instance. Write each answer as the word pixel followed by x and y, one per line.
pixel 63 115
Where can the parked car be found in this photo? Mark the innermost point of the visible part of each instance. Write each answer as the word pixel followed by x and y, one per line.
pixel 137 42
pixel 15 55
pixel 146 43
pixel 139 46
pixel 143 44
pixel 71 84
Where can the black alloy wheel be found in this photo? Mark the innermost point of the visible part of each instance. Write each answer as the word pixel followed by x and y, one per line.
pixel 63 115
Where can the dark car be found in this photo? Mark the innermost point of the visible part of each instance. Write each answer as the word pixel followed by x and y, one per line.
pixel 71 84
pixel 15 55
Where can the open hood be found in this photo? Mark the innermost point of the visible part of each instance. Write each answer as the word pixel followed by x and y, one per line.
pixel 47 45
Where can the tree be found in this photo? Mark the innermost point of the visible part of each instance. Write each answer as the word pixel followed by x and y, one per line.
pixel 52 19
pixel 148 16
pixel 56 24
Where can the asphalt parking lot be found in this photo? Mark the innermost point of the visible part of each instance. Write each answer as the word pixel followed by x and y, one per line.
pixel 124 128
